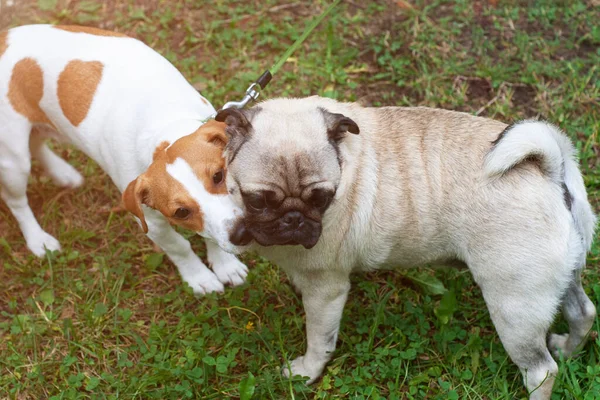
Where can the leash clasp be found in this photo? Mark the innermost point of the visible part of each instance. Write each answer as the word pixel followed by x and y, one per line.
pixel 252 92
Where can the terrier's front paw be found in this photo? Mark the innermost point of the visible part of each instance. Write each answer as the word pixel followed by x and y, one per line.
pixel 39 242
pixel 301 368
pixel 231 272
pixel 204 282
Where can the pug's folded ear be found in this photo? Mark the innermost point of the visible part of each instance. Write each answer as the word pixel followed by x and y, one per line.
pixel 338 124
pixel 239 128
pixel 133 198
pixel 233 117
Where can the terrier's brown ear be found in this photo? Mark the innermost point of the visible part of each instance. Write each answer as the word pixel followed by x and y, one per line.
pixel 215 133
pixel 160 149
pixel 133 198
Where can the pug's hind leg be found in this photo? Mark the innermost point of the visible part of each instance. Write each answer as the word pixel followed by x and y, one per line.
pixel 522 309
pixel 579 311
pixel 324 295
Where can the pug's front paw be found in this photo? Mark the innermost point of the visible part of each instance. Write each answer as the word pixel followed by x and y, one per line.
pixel 301 367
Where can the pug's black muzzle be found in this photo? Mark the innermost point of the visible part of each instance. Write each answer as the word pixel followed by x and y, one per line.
pixel 291 229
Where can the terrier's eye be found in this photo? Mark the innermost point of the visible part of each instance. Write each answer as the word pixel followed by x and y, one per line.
pixel 218 177
pixel 182 213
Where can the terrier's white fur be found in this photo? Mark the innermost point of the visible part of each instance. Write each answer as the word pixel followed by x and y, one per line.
pixel 140 102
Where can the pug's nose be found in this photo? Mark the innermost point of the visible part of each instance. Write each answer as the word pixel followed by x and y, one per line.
pixel 293 220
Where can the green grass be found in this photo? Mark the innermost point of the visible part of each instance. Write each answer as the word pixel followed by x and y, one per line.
pixel 109 318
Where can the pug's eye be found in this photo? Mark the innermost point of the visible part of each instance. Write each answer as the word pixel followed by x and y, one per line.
pixel 218 177
pixel 256 202
pixel 261 200
pixel 182 213
pixel 271 199
pixel 319 198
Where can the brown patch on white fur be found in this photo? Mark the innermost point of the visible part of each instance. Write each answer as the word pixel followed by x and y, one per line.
pixel 3 42
pixel 206 162
pixel 77 84
pixel 159 149
pixel 89 30
pixel 157 189
pixel 26 89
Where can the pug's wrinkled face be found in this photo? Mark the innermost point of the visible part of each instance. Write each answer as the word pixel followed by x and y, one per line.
pixel 284 167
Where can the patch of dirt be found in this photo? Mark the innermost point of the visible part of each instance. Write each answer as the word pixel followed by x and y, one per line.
pixel 587 46
pixel 524 97
pixel 479 89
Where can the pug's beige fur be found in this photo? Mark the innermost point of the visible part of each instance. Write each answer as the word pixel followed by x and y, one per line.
pixel 418 186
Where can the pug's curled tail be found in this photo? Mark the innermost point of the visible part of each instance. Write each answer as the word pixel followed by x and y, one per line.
pixel 556 154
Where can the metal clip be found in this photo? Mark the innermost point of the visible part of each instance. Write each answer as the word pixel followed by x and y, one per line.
pixel 252 93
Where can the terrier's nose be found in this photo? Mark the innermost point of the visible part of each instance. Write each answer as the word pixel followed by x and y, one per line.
pixel 240 236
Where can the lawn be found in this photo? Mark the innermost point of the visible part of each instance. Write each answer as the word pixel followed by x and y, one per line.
pixel 109 317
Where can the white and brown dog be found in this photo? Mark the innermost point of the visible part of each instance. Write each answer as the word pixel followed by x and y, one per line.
pixel 130 110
